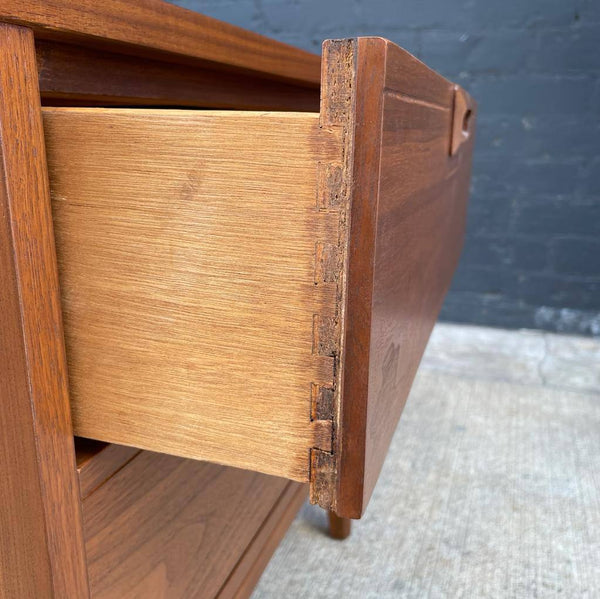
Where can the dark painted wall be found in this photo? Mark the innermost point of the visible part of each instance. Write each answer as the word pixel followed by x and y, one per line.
pixel 532 256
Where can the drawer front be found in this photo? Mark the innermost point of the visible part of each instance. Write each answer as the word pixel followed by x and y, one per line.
pixel 257 289
pixel 412 144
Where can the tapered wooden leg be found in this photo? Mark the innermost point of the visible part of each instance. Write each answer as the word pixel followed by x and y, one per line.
pixel 339 528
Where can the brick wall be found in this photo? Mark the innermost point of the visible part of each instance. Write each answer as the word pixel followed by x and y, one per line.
pixel 532 255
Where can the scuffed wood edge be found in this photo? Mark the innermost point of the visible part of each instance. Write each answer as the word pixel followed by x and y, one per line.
pixel 333 194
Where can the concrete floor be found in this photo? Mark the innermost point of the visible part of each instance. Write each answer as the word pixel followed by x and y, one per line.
pixel 491 487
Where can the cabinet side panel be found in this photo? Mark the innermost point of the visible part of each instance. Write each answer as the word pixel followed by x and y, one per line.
pixel 41 545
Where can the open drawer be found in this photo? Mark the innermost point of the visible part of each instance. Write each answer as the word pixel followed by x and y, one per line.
pixel 257 289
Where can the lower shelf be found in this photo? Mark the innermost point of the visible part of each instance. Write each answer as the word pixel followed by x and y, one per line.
pixel 162 526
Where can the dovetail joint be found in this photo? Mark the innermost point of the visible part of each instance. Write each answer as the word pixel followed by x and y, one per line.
pixel 326 335
pixel 330 178
pixel 332 197
pixel 323 478
pixel 326 262
pixel 321 402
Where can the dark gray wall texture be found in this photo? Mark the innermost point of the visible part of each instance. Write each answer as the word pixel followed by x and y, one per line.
pixel 532 254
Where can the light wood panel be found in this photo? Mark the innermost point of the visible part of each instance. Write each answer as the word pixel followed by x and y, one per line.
pixel 152 27
pixel 168 527
pixel 186 248
pixel 41 540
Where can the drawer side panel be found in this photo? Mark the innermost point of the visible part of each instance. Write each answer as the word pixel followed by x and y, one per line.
pixel 187 246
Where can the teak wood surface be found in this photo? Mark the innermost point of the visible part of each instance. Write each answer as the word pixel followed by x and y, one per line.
pixel 41 549
pixel 390 154
pixel 168 527
pixel 159 29
pixel 97 462
pixel 242 580
pixel 85 62
pixel 41 538
pixel 257 289
pixel 408 170
pixel 78 75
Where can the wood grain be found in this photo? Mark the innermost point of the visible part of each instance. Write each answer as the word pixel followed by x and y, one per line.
pixel 186 247
pixel 152 27
pixel 408 206
pixel 41 544
pixel 169 527
pixel 77 75
pixel 210 277
pixel 339 528
pixel 98 461
pixel 245 575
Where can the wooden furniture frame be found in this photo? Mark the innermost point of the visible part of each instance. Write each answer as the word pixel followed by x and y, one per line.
pixel 378 300
pixel 237 285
